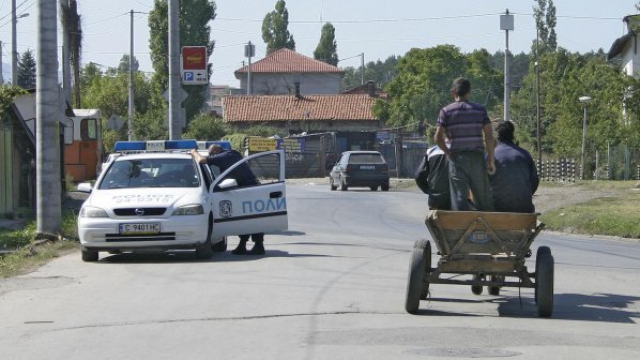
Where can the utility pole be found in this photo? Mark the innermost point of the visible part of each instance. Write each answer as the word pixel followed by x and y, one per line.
pixel 584 100
pixel 175 86
pixel 14 45
pixel 48 175
pixel 538 125
pixel 249 52
pixel 506 24
pixel 131 84
pixel 362 74
pixel 1 78
pixel 66 57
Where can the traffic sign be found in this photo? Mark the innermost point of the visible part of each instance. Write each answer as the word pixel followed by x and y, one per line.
pixel 194 65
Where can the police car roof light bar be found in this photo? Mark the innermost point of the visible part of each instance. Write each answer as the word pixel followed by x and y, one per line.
pixel 155 145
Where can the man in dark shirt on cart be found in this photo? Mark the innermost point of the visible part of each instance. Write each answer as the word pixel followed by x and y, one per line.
pixel 464 123
pixel 243 175
pixel 516 178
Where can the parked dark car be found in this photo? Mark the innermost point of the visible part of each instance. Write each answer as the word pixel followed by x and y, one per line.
pixel 360 168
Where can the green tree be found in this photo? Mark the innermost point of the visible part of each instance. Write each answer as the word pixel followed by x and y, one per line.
pixel 7 95
pixel 422 85
pixel 111 95
pixel 27 70
pixel 327 49
pixel 381 72
pixel 195 16
pixel 564 77
pixel 151 125
pixel 205 127
pixel 275 31
pixel 545 16
pixel 123 67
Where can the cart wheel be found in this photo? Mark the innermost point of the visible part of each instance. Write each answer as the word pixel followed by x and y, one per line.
pixel 477 289
pixel 495 290
pixel 542 250
pixel 427 270
pixel 544 284
pixel 416 275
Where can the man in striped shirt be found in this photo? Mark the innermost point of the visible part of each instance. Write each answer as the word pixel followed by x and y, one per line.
pixel 464 123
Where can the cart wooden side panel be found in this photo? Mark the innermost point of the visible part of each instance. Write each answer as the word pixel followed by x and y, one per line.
pixel 478 232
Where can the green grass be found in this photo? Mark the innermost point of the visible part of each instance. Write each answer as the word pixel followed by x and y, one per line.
pixel 617 214
pixel 31 253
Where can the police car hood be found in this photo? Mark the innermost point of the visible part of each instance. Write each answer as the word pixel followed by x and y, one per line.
pixel 144 197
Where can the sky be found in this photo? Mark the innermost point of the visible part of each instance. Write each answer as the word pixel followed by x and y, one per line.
pixel 376 28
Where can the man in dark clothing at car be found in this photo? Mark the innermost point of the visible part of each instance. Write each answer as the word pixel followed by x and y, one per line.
pixel 464 123
pixel 433 179
pixel 516 178
pixel 243 175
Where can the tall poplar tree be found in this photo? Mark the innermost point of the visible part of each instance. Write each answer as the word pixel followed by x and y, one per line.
pixel 195 16
pixel 545 16
pixel 275 31
pixel 327 49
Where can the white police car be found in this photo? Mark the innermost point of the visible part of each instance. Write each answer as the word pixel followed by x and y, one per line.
pixel 154 196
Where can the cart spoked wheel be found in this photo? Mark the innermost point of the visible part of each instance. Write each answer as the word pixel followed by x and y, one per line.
pixel 495 290
pixel 544 284
pixel 477 289
pixel 416 276
pixel 427 270
pixel 542 250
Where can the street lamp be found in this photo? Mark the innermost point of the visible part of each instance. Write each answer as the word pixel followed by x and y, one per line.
pixel 585 100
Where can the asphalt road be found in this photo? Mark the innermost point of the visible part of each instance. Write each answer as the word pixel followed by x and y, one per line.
pixel 332 287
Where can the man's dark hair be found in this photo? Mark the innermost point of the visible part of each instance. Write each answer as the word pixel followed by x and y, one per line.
pixel 505 131
pixel 461 86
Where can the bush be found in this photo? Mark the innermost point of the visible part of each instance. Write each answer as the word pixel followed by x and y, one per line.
pixel 205 127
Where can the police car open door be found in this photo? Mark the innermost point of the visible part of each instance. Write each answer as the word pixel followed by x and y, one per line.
pixel 260 208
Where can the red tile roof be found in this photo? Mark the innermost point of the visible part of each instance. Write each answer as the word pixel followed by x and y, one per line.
pixel 288 61
pixel 238 108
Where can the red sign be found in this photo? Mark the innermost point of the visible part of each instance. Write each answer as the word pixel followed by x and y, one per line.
pixel 194 58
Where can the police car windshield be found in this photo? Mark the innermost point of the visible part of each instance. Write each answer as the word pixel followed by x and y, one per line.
pixel 142 173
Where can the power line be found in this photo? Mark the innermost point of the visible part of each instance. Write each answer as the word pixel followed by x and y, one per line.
pixel 434 18
pixel 370 20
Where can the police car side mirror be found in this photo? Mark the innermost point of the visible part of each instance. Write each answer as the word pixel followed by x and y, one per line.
pixel 228 184
pixel 85 187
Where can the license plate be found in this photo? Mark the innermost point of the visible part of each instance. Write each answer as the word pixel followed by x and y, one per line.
pixel 140 228
pixel 479 237
pixel 367 167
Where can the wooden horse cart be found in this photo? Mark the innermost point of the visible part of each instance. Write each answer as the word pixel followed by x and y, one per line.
pixel 489 247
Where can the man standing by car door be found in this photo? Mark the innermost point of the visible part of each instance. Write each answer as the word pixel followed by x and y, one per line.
pixel 464 124
pixel 243 175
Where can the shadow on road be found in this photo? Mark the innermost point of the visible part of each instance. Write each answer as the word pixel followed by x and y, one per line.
pixel 612 308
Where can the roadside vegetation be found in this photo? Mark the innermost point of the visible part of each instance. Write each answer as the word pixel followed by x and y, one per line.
pixel 614 210
pixel 22 251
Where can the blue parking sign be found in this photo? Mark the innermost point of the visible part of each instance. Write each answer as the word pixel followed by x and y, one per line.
pixel 188 76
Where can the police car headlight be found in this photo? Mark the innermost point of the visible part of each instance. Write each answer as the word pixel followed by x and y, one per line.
pixel 189 210
pixel 92 212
